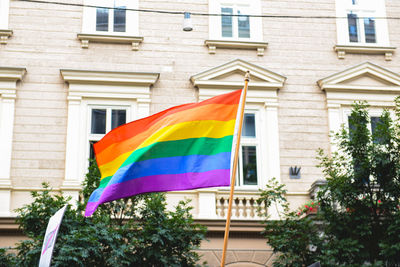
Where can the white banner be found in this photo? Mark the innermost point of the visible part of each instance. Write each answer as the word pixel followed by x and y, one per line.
pixel 50 237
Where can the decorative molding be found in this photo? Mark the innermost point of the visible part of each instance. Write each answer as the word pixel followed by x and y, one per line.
pixel 8 80
pixel 337 82
pixel 12 73
pixel 8 93
pixel 364 49
pixel 109 77
pixel 4 35
pixel 364 82
pixel 108 84
pixel 261 80
pixel 214 44
pixel 103 38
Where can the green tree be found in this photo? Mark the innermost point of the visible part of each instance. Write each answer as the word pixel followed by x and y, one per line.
pixel 358 220
pixel 294 237
pixel 360 202
pixel 136 231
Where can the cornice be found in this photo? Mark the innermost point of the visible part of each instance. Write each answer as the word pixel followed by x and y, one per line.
pixel 214 44
pixel 74 76
pixel 336 81
pixel 264 78
pixel 12 73
pixel 85 38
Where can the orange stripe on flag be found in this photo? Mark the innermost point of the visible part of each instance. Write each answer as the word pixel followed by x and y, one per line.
pixel 201 113
pixel 133 128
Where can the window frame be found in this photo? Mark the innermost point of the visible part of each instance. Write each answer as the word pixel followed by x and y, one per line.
pixel 342 91
pixel 248 141
pixel 87 105
pixel 215 27
pixel 9 76
pixel 125 105
pixel 89 18
pixel 262 98
pixel 4 13
pixel 372 9
pixel 373 111
pixel 101 88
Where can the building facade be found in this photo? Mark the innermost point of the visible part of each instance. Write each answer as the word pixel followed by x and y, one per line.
pixel 70 73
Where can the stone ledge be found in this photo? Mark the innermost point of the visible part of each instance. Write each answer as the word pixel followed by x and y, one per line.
pixel 4 35
pixel 237 257
pixel 213 44
pixel 237 226
pixel 364 49
pixel 107 38
pixel 9 224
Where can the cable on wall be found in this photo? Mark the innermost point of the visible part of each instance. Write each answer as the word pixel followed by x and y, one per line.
pixel 199 13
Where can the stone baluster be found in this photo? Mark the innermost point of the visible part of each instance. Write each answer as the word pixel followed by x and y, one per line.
pixel 241 207
pixel 226 203
pixel 248 208
pixel 218 208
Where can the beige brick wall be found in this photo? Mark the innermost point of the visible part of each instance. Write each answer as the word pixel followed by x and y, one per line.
pixel 45 41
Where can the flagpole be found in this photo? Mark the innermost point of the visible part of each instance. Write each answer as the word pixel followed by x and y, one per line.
pixel 235 163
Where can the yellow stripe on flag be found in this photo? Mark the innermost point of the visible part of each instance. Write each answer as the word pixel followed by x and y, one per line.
pixel 180 131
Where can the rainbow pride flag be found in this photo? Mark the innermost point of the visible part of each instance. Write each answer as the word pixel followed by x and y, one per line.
pixel 184 147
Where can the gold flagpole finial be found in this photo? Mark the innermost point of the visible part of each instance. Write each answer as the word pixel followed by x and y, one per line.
pixel 247 76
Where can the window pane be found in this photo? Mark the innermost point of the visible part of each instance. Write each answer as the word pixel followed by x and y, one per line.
pixel 98 121
pixel 244 26
pixel 369 26
pixel 353 29
pixel 249 165
pixel 249 126
pixel 352 128
pixel 91 150
pixel 374 123
pixel 120 19
pixel 226 22
pixel 118 117
pixel 102 19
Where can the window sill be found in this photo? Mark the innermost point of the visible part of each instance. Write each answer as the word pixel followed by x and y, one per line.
pixel 213 44
pixel 100 38
pixel 4 35
pixel 364 49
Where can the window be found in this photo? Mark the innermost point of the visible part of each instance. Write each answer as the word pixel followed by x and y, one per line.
pixel 361 30
pixel 4 7
pixel 113 20
pixel 239 26
pixel 236 27
pixel 259 158
pixel 102 120
pixel 259 147
pixel 99 101
pixel 8 93
pixel 373 123
pixel 248 175
pixel 357 23
pixel 5 33
pixel 110 17
pixel 364 82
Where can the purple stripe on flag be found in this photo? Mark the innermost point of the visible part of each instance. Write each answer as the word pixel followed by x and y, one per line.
pixel 159 183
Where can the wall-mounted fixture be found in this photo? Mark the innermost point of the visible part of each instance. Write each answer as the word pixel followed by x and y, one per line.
pixel 187 22
pixel 294 172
